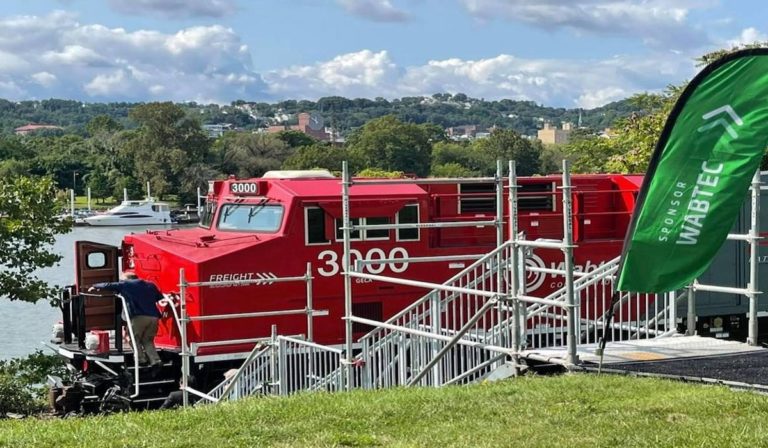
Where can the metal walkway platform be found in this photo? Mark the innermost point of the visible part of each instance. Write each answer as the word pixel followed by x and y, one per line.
pixel 669 348
pixel 688 358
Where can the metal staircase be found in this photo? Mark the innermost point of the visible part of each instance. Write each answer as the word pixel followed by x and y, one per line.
pixel 418 346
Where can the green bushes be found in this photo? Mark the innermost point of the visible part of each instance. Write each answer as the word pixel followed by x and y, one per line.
pixel 16 397
pixel 22 383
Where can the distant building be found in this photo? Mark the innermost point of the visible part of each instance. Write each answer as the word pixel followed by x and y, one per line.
pixel 464 132
pixel 32 127
pixel 309 124
pixel 551 135
pixel 217 130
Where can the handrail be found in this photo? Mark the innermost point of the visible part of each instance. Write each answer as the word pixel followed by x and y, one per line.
pixel 418 316
pixel 453 279
pixel 310 344
pixel 134 347
pixel 136 381
pixel 437 337
pixel 168 300
pixel 233 380
pixel 254 353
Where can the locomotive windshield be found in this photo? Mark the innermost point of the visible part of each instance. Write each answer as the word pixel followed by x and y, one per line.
pixel 250 217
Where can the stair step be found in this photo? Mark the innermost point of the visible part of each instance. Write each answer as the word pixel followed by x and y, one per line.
pixel 154 383
pixel 133 367
pixel 147 400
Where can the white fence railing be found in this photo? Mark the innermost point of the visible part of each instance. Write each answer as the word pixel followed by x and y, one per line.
pixel 283 366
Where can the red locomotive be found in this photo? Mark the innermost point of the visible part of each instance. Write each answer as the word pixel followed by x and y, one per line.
pixel 278 225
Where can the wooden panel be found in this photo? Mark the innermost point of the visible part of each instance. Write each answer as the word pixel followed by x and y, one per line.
pixel 97 263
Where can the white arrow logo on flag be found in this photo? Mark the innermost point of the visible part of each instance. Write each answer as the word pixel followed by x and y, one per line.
pixel 727 109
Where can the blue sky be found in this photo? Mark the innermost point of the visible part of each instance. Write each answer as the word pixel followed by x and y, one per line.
pixel 569 53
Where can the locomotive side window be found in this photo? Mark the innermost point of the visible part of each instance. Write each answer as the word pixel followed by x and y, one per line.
pixel 474 198
pixel 408 215
pixel 377 234
pixel 250 217
pixel 314 225
pixel 207 217
pixel 353 236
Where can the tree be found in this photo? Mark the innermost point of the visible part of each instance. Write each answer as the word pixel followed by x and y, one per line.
pixel 389 144
pixel 321 156
pixel 506 144
pixel 446 157
pixel 28 226
pixel 164 145
pixel 452 170
pixel 295 139
pixel 250 155
pixel 717 54
pixel 98 182
pixel 103 124
pixel 121 183
pixel 633 139
pixel 380 174
pixel 62 158
pixel 196 176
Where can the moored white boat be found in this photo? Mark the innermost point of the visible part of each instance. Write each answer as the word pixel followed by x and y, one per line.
pixel 133 213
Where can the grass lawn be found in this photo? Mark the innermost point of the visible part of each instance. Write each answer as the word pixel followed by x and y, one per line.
pixel 564 411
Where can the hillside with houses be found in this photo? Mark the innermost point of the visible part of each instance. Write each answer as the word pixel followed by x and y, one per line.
pixel 462 117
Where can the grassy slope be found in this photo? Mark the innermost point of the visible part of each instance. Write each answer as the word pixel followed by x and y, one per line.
pixel 573 410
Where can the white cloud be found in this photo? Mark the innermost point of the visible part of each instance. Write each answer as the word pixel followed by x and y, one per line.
pixel 74 55
pixel 551 82
pixel 352 74
pixel 748 36
pixel 598 97
pixel 115 84
pixel 45 79
pixel 24 33
pixel 176 8
pixel 12 64
pixel 376 10
pixel 657 22
pixel 9 89
pixel 66 59
pixel 54 55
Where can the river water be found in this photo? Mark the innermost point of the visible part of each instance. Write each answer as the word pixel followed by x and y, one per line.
pixel 24 326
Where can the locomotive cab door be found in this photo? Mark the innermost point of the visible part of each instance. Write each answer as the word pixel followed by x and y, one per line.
pixel 96 263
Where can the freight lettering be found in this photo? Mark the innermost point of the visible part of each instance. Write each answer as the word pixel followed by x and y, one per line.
pixel 699 205
pixel 232 277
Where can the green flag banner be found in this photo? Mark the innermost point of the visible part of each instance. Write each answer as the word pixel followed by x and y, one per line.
pixel 699 174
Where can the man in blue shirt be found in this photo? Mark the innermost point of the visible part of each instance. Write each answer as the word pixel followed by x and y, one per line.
pixel 141 298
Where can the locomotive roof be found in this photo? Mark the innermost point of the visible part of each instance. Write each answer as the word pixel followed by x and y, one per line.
pixel 331 188
pixel 187 243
